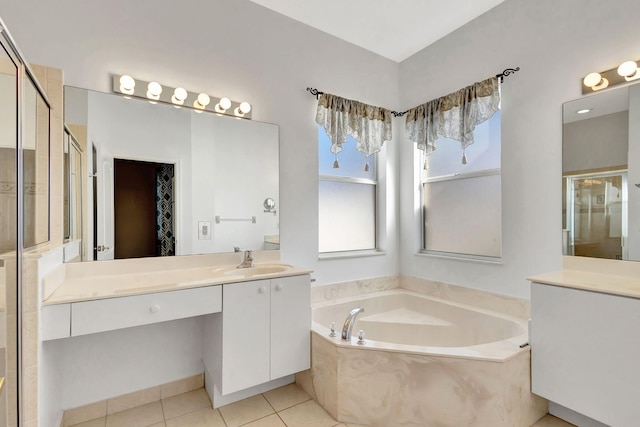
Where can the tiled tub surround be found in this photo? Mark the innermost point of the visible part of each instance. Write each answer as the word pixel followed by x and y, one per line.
pixel 485 382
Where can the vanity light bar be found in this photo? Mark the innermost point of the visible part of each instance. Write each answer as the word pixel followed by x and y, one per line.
pixel 626 72
pixel 179 97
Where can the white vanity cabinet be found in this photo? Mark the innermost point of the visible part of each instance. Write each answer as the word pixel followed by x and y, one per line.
pixel 585 352
pixel 262 334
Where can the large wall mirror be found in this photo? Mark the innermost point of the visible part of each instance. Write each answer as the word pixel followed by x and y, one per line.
pixel 601 175
pixel 157 180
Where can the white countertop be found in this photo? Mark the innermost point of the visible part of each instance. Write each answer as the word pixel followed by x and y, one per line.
pixel 85 288
pixel 623 285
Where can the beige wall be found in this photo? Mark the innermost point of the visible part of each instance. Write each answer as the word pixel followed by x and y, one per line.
pixel 597 143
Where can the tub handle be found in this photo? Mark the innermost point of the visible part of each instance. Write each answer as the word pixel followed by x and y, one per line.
pixel 332 327
pixel 361 337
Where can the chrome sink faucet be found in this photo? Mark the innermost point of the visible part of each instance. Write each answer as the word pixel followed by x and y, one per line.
pixel 247 262
pixel 349 322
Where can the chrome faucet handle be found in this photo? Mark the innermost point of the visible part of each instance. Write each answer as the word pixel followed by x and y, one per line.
pixel 236 249
pixel 361 337
pixel 332 326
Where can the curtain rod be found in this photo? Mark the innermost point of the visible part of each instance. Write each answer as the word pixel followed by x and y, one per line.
pixel 506 72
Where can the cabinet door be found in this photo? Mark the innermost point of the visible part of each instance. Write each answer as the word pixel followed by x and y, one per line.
pixel 290 325
pixel 245 335
pixel 585 352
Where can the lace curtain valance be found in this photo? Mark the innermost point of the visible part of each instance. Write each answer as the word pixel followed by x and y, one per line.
pixel 453 116
pixel 370 126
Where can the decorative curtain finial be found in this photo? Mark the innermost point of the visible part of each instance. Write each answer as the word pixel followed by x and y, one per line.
pixel 464 158
pixel 336 165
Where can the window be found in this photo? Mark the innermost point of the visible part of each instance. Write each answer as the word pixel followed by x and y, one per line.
pixel 461 202
pixel 347 198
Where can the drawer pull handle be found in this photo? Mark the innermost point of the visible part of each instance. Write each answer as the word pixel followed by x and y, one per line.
pixel 154 308
pixel 262 290
pixel 278 287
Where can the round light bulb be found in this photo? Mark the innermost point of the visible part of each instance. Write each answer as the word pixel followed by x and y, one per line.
pixel 203 99
pixel 154 89
pixel 592 79
pixel 127 84
pixel 180 94
pixel 627 69
pixel 245 107
pixel 225 103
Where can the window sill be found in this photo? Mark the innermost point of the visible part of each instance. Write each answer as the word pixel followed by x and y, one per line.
pixel 350 254
pixel 461 257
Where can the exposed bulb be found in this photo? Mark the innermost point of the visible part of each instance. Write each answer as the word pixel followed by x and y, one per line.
pixel 245 107
pixel 225 103
pixel 202 101
pixel 179 95
pixel 127 84
pixel 628 68
pixel 154 90
pixel 592 79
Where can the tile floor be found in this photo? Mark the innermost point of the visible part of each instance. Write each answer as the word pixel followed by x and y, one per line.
pixel 288 406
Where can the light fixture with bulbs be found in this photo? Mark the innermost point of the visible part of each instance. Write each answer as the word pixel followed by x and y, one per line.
pixel 626 72
pixel 179 97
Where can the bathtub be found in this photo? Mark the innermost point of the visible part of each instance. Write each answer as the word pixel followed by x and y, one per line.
pixel 425 362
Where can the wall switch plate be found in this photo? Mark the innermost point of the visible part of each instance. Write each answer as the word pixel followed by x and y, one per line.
pixel 204 230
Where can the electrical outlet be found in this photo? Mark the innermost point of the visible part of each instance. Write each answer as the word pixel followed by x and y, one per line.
pixel 204 230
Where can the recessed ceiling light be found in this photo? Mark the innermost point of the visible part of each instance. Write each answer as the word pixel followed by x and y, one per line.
pixel 586 110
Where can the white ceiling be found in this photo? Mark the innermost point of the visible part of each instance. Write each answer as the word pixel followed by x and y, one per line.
pixel 393 29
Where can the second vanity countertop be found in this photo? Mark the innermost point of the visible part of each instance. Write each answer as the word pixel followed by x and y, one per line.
pixel 594 282
pixel 92 287
pixel 612 277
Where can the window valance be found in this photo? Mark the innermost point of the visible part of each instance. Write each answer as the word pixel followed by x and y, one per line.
pixel 453 116
pixel 370 126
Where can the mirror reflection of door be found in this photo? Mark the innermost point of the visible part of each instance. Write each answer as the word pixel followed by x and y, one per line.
pixel 144 209
pixel 596 217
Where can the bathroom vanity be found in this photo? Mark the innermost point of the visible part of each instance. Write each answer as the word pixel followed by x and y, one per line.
pixel 584 345
pixel 255 321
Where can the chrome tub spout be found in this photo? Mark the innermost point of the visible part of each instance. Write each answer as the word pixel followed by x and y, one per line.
pixel 349 322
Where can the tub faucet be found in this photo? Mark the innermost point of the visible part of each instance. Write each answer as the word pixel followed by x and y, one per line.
pixel 247 262
pixel 349 322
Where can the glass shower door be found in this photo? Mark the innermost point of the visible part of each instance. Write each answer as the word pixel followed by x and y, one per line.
pixel 597 214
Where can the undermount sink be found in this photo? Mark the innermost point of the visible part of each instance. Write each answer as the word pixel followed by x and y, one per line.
pixel 256 270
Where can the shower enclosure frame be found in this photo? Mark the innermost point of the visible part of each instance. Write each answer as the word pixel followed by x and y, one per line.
pixel 23 73
pixel 571 200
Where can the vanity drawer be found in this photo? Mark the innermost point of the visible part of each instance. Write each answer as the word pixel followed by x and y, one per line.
pixel 116 313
